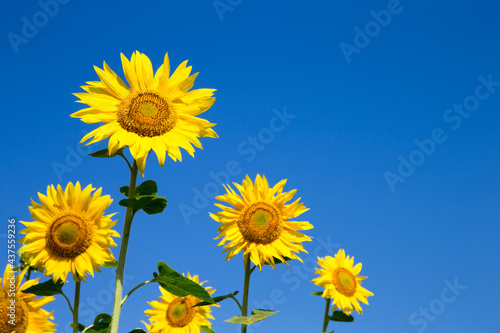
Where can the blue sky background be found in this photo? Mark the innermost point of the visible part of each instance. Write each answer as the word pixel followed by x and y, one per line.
pixel 356 118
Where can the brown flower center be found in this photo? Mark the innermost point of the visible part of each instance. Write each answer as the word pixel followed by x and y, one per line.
pixel 146 113
pixel 69 235
pixel 344 281
pixel 260 223
pixel 14 315
pixel 179 312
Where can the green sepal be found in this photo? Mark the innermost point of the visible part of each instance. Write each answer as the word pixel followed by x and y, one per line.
pixel 138 330
pixel 108 264
pixel 317 293
pixel 80 327
pixel 173 282
pixel 101 324
pixel 145 198
pixel 340 316
pixel 255 316
pixel 104 153
pixel 48 288
pixel 217 299
pixel 206 329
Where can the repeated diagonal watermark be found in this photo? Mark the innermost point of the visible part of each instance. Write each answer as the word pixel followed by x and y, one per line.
pixel 31 24
pixel 293 278
pixel 249 149
pixel 99 302
pixel 364 36
pixel 222 7
pixel 425 315
pixel 452 117
pixel 73 158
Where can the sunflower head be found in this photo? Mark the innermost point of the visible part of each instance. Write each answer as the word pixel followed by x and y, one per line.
pixel 155 111
pixel 258 222
pixel 21 312
pixel 340 278
pixel 70 233
pixel 177 314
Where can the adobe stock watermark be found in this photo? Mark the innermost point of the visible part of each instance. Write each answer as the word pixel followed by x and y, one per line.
pixel 31 25
pixel 223 6
pixel 248 148
pixel 421 319
pixel 90 307
pixel 295 276
pixel 74 158
pixel 373 28
pixel 453 116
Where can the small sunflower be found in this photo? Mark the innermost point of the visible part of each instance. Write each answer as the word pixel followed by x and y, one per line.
pixel 259 222
pixel 176 314
pixel 20 312
pixel 70 232
pixel 154 112
pixel 342 282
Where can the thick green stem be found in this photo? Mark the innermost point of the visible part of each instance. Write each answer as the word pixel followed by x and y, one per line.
pixel 327 310
pixel 120 270
pixel 75 307
pixel 244 307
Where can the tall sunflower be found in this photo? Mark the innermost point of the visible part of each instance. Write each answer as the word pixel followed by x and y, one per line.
pixel 154 112
pixel 258 223
pixel 176 314
pixel 342 282
pixel 70 232
pixel 20 312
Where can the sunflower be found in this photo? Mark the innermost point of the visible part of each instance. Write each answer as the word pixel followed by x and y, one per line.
pixel 20 312
pixel 70 232
pixel 259 222
pixel 155 112
pixel 342 282
pixel 176 314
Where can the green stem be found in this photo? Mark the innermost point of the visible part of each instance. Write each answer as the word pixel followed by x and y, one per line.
pixel 327 310
pixel 69 303
pixel 120 270
pixel 134 289
pixel 237 302
pixel 246 285
pixel 76 305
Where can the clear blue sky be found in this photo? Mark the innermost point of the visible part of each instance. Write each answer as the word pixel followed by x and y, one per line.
pixel 392 139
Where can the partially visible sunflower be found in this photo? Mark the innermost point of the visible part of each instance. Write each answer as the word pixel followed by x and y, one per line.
pixel 258 223
pixel 154 112
pixel 70 232
pixel 176 314
pixel 28 315
pixel 342 282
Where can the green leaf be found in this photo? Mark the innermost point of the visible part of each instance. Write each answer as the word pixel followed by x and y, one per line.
pixel 173 282
pixel 317 293
pixel 104 153
pixel 138 330
pixel 217 299
pixel 145 198
pixel 80 327
pixel 255 316
pixel 147 187
pixel 113 263
pixel 340 316
pixel 101 324
pixel 48 288
pixel 206 329
pixel 155 206
pixel 149 203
